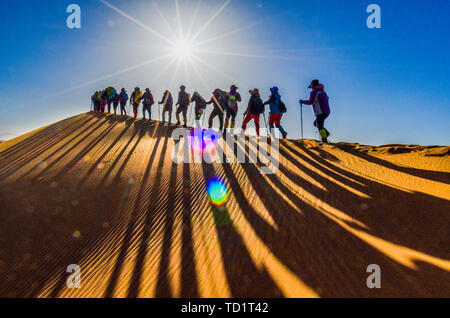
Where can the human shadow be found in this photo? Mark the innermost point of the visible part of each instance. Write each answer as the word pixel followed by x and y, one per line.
pixel 383 212
pixel 320 251
pixel 135 218
pixel 244 278
pixel 40 137
pixel 26 155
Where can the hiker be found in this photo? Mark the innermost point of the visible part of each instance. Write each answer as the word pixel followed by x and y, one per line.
pixel 103 100
pixel 135 100
pixel 115 101
pixel 183 103
pixel 123 99
pixel 233 98
pixel 254 109
pixel 167 102
pixel 218 100
pixel 96 100
pixel 147 103
pixel 111 94
pixel 277 108
pixel 200 106
pixel 319 100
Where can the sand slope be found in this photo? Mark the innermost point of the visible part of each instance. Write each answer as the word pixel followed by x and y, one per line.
pixel 104 193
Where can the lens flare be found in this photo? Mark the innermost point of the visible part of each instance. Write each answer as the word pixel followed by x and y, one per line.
pixel 217 191
pixel 202 140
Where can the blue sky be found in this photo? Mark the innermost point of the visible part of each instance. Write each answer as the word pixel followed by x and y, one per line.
pixel 388 85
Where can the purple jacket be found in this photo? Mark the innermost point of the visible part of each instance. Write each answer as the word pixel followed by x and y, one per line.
pixel 319 100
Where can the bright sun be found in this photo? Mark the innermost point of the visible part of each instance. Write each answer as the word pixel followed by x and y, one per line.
pixel 183 49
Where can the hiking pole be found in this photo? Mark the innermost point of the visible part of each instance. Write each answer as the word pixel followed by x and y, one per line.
pixel 265 122
pixel 190 116
pixel 301 117
pixel 204 116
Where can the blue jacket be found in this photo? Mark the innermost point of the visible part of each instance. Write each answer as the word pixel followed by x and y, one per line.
pixel 274 101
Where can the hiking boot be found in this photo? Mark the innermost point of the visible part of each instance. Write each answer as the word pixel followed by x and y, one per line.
pixel 285 136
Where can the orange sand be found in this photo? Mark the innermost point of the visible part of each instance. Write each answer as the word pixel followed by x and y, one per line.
pixel 104 193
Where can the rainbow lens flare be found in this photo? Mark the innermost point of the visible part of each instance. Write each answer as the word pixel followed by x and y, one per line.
pixel 217 191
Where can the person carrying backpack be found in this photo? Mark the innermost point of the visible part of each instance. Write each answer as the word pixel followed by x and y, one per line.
pixel 319 100
pixel 135 100
pixel 233 98
pixel 111 94
pixel 254 109
pixel 96 101
pixel 103 100
pixel 115 101
pixel 277 108
pixel 123 99
pixel 183 103
pixel 200 105
pixel 147 103
pixel 167 102
pixel 219 102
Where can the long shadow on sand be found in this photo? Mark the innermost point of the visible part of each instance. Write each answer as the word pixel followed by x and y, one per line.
pixel 322 253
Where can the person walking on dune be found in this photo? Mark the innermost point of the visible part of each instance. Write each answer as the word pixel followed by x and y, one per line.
pixel 183 103
pixel 277 109
pixel 147 103
pixel 319 100
pixel 115 101
pixel 254 110
pixel 200 106
pixel 96 100
pixel 111 93
pixel 103 101
pixel 123 99
pixel 218 100
pixel 136 100
pixel 233 100
pixel 167 102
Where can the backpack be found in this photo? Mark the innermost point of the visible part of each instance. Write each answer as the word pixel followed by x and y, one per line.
pixel 261 108
pixel 110 91
pixel 123 98
pixel 148 99
pixel 282 107
pixel 185 99
pixel 232 102
pixel 256 105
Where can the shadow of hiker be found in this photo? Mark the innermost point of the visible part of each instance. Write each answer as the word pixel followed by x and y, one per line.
pixel 327 256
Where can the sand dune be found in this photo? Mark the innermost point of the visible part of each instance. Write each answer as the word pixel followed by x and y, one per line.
pixel 103 193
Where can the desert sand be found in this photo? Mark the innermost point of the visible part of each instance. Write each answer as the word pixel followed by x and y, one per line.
pixel 103 192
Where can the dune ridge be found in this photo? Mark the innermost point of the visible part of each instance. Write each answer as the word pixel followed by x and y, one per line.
pixel 103 192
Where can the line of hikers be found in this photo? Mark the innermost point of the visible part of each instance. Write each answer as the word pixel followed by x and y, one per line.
pixel 225 106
